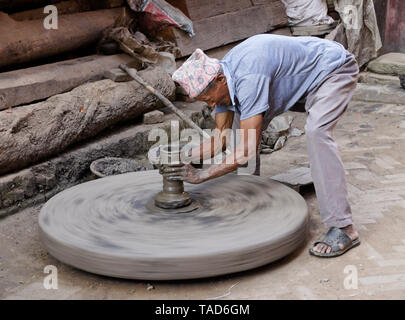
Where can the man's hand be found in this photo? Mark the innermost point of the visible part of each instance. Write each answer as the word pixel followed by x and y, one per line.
pixel 186 173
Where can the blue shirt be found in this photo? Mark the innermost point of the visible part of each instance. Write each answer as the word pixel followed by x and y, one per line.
pixel 271 72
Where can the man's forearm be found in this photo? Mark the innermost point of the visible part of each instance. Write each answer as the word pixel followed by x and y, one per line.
pixel 239 157
pixel 246 150
pixel 218 170
pixel 207 150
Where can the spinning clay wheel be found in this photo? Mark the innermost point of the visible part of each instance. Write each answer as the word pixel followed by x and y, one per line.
pixel 113 226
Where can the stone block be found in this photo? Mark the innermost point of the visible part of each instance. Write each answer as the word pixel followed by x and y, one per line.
pixel 153 117
pixel 390 63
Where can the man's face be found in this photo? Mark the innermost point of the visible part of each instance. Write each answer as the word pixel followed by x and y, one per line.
pixel 216 94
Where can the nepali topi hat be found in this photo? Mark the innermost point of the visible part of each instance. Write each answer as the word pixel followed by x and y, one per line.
pixel 196 73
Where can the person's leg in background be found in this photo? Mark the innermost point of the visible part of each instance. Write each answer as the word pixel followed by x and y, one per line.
pixel 324 106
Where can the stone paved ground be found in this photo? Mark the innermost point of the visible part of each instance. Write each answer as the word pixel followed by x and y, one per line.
pixel 371 138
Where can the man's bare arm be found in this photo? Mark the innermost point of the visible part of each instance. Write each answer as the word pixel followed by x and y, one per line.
pixel 242 153
pixel 245 151
pixel 210 148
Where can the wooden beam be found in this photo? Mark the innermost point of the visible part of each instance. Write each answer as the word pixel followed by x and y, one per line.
pixel 38 83
pixel 30 40
pixel 230 27
pixel 64 7
pixel 24 4
pixel 38 131
pixel 180 4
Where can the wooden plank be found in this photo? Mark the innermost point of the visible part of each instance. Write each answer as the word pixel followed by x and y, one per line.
pixel 180 4
pixel 198 9
pixel 230 27
pixel 37 83
pixel 105 4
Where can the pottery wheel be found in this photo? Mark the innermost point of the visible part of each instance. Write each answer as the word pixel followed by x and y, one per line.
pixel 109 227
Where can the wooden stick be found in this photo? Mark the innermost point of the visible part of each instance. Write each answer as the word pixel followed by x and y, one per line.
pixel 167 103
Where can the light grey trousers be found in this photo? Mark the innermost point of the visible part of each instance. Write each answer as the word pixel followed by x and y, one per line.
pixel 324 106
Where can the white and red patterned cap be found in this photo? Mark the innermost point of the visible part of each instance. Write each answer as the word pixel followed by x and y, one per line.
pixel 196 73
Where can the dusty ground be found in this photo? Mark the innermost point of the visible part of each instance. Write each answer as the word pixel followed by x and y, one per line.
pixel 371 138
